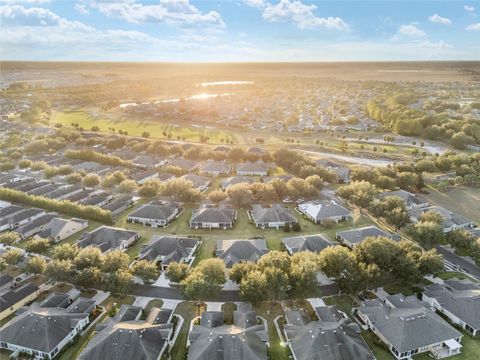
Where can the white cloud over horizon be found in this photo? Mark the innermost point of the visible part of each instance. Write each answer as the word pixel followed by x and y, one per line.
pixel 439 20
pixel 473 27
pixel 411 31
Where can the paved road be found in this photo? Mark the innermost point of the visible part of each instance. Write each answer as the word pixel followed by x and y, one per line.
pixel 176 294
pixel 459 261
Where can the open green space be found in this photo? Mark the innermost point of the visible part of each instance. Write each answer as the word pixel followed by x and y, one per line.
pixel 462 200
pixel 87 120
pixel 447 275
pixel 343 303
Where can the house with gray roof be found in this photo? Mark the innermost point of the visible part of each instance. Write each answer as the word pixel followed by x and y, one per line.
pixel 332 337
pixel 257 168
pixel 313 243
pixel 275 216
pixel 184 164
pixel 451 221
pixel 213 218
pixel 140 176
pixel 458 300
pixel 99 199
pixel 43 331
pixel 342 173
pixel 125 337
pixel 168 248
pixel 408 327
pixel 226 183
pixel 108 238
pixel 45 190
pixel 12 300
pixel 119 204
pixel 64 192
pixel 59 229
pixel 234 251
pixel 410 200
pixel 354 237
pixel 320 211
pixel 34 227
pixel 21 218
pixel 216 168
pixel 148 161
pixel 199 182
pixel 155 215
pixel 245 339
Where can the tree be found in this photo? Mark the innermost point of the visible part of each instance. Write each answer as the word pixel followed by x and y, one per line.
pixel 240 270
pixel 91 180
pixel 88 257
pixel 127 186
pixel 217 196
pixel 340 263
pixel 24 163
pixel 303 273
pixel 89 277
pixel 277 259
pixel 425 166
pixel 360 193
pixel 150 188
pixel 145 270
pixel 460 140
pixel 65 252
pixel 75 178
pixel 176 272
pixel 37 245
pixel 120 281
pixel 240 195
pixel 9 238
pixel 145 134
pixel 59 270
pixel 115 260
pixel 206 280
pixel 3 264
pixel 427 233
pixel 36 265
pixel 12 256
pixel 254 287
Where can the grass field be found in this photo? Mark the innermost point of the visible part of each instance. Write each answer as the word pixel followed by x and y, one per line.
pixel 463 200
pixel 86 120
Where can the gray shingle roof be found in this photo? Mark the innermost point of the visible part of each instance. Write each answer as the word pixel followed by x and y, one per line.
pixel 150 211
pixel 13 296
pixel 409 325
pixel 106 237
pixel 236 180
pixel 461 298
pixel 213 215
pixel 234 251
pixel 323 209
pixel 274 214
pixel 408 198
pixel 174 248
pixel 314 243
pixel 356 236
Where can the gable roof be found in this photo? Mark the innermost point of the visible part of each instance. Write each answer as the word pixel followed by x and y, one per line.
pixel 461 298
pixel 173 248
pixel 319 210
pixel 234 251
pixel 225 183
pixel 106 237
pixel 274 214
pixel 250 167
pixel 197 180
pixel 11 297
pixel 356 236
pixel 154 211
pixel 57 226
pixel 333 337
pixel 408 198
pixel 314 243
pixel 216 166
pixel 212 215
pixel 408 325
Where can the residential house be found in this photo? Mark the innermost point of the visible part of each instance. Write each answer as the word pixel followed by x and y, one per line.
pixel 155 215
pixel 354 237
pixel 148 161
pixel 185 165
pixel 141 176
pixel 245 339
pixel 199 182
pixel 33 227
pixel 258 168
pixel 213 218
pixel 321 211
pixel 20 218
pixel 411 201
pixel 216 168
pixel 43 331
pixel 59 229
pixel 100 199
pixel 108 238
pixel 168 248
pixel 14 299
pixel 313 243
pixel 64 192
pixel 408 327
pixel 275 216
pixel 126 337
pixel 119 204
pixel 342 173
pixel 451 221
pixel 234 251
pixel 332 337
pixel 226 183
pixel 458 300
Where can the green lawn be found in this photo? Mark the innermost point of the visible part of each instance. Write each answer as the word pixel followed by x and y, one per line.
pixel 118 300
pixel 155 303
pixel 343 303
pixel 378 348
pixel 137 127
pixel 447 275
pixel 270 311
pixel 228 310
pixel 462 200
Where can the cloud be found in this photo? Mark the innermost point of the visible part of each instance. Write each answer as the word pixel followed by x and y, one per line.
pixel 255 3
pixel 473 27
pixel 81 8
pixel 31 2
pixel 439 20
pixel 469 8
pixel 435 45
pixel 411 31
pixel 301 15
pixel 20 15
pixel 173 12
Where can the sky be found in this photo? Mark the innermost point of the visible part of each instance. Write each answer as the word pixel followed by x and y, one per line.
pixel 239 30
